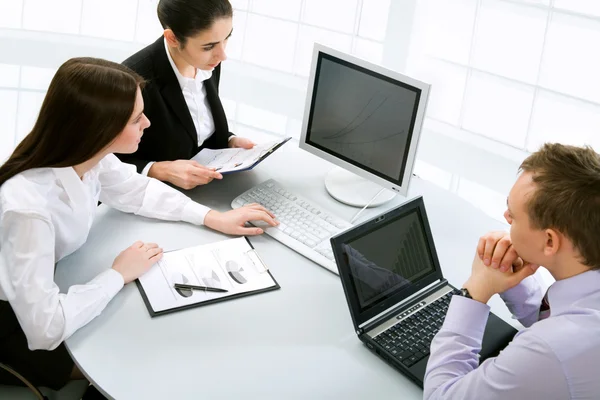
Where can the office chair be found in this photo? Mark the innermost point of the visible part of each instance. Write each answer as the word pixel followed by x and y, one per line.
pixel 72 390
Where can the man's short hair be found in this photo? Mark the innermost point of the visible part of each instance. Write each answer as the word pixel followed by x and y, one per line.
pixel 567 196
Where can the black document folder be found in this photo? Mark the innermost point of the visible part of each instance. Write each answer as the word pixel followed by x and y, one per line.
pixel 232 265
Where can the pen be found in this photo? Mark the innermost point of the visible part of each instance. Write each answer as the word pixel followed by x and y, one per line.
pixel 195 287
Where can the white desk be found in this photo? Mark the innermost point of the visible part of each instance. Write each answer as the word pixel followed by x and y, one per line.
pixel 294 343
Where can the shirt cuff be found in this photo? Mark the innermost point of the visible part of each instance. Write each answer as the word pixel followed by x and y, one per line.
pixel 521 292
pixel 111 281
pixel 230 137
pixel 194 213
pixel 147 168
pixel 466 317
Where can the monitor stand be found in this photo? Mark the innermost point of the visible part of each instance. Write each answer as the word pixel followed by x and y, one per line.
pixel 354 190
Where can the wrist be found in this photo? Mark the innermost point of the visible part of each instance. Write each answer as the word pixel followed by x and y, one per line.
pixel 117 269
pixel 158 171
pixel 211 218
pixel 478 291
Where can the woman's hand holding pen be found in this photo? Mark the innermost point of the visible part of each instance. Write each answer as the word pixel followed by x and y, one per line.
pixel 136 260
pixel 234 222
pixel 186 174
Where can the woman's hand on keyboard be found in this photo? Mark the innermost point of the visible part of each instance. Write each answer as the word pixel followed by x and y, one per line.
pixel 234 222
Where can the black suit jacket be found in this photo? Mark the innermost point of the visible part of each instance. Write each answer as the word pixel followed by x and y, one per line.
pixel 171 135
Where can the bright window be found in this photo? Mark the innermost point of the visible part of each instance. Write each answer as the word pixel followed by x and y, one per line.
pixel 519 72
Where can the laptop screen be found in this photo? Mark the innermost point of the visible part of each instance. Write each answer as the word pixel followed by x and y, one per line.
pixel 387 258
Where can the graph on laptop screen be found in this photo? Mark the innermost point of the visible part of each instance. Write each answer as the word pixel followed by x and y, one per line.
pixel 365 119
pixel 388 259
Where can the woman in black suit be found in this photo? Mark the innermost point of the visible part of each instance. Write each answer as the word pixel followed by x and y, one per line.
pixel 181 97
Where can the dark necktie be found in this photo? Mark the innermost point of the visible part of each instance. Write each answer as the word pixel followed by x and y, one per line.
pixel 544 308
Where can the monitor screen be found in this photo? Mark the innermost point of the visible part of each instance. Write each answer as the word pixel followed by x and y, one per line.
pixel 388 259
pixel 362 117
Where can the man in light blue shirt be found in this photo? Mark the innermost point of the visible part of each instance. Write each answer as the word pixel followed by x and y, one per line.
pixel 554 213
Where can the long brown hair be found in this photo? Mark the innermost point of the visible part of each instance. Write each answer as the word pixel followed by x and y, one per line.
pixel 88 104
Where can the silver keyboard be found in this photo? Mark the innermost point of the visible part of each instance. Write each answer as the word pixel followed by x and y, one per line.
pixel 304 227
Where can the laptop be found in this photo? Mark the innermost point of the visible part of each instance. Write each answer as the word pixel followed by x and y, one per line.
pixel 396 291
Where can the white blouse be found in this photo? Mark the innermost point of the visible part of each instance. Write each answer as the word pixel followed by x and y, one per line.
pixel 45 215
pixel 194 94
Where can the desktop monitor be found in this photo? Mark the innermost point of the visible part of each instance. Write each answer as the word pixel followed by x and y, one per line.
pixel 366 120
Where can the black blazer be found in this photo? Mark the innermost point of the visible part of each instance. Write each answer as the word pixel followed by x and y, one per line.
pixel 171 135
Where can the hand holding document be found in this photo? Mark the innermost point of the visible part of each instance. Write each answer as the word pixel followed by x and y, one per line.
pixel 237 159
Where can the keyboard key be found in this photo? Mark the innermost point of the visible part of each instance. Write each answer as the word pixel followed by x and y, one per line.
pixel 402 347
pixel 405 355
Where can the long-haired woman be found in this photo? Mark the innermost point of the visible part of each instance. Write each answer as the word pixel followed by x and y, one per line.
pixel 49 190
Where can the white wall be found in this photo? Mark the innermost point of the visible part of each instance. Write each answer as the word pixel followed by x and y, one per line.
pixel 505 73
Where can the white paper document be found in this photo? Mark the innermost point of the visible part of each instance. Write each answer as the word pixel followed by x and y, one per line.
pixel 235 159
pixel 229 264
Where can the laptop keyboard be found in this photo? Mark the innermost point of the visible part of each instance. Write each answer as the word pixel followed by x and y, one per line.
pixel 409 340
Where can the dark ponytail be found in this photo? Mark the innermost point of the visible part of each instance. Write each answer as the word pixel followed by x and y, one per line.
pixel 187 18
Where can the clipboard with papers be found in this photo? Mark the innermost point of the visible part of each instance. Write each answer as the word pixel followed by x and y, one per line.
pixel 232 265
pixel 231 160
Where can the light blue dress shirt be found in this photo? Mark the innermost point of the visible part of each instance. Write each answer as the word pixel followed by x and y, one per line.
pixel 556 358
